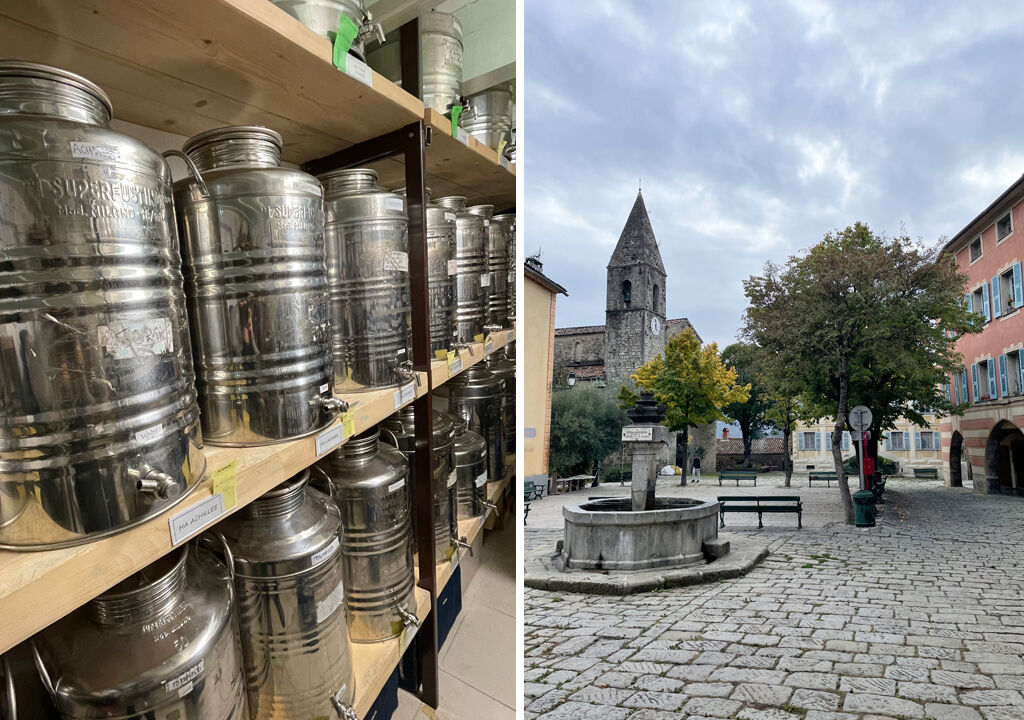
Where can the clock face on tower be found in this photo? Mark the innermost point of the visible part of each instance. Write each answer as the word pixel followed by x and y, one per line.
pixel 655 326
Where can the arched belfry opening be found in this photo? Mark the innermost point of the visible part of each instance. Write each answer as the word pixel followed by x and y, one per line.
pixel 627 292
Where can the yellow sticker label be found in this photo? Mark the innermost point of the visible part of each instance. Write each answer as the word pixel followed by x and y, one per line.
pixel 451 358
pixel 478 338
pixel 348 424
pixel 441 354
pixel 224 483
pixel 501 145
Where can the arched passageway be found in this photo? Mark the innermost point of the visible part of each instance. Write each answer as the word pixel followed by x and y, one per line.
pixel 1004 460
pixel 956 444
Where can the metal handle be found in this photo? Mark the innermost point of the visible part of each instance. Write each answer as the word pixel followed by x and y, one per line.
pixel 229 557
pixel 12 700
pixel 44 676
pixel 345 712
pixel 394 437
pixel 151 480
pixel 330 485
pixel 191 168
pixel 408 618
pixel 333 405
pixel 463 543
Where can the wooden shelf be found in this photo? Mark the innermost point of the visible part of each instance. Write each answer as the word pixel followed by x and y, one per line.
pixel 440 371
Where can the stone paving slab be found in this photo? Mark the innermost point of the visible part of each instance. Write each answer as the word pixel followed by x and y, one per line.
pixel 919 617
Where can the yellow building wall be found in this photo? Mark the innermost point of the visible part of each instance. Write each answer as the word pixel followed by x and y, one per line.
pixel 538 332
pixel 907 458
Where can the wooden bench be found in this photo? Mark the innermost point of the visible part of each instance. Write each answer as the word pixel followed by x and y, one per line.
pixel 825 477
pixel 737 475
pixel 926 473
pixel 761 504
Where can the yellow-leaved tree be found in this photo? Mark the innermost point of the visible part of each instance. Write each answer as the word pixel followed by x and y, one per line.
pixel 693 384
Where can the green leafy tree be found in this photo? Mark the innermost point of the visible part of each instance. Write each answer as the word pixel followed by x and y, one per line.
pixel 693 384
pixel 751 413
pixel 862 319
pixel 586 427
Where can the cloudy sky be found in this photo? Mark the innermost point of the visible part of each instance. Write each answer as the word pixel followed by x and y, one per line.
pixel 757 127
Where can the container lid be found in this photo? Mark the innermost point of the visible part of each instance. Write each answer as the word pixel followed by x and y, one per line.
pixel 20 68
pixel 233 132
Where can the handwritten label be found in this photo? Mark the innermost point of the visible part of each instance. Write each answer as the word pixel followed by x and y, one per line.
pixel 462 136
pixel 479 337
pixel 148 435
pixel 132 338
pixel 449 217
pixel 394 203
pixel 88 151
pixel 408 393
pixel 452 477
pixel 326 607
pixel 634 433
pixel 356 68
pixel 396 261
pixel 326 553
pixel 455 366
pixel 185 678
pixel 191 520
pixel 348 424
pixel 398 399
pixel 453 267
pixel 224 483
pixel 325 387
pixel 481 479
pixel 395 487
pixel 329 439
pixel 485 280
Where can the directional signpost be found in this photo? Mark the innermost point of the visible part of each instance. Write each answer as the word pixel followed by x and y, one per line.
pixel 863 499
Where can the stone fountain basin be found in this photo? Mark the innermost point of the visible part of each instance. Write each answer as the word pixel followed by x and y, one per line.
pixel 606 534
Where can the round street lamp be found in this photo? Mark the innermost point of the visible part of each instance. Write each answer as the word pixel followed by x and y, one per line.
pixel 571 379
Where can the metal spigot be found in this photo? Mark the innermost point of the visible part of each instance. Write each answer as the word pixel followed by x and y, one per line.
pixel 492 328
pixel 489 505
pixel 464 346
pixel 149 480
pixel 370 29
pixel 333 405
pixel 407 617
pixel 463 543
pixel 345 712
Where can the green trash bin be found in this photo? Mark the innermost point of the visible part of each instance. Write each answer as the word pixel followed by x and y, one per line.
pixel 864 508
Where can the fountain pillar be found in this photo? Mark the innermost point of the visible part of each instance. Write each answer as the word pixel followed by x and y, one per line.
pixel 645 439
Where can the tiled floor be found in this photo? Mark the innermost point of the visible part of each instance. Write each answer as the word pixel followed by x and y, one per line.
pixel 478 663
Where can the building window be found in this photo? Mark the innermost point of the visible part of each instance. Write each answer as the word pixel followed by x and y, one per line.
pixel 980 303
pixel 654 297
pixel 1004 227
pixel 809 440
pixel 976 249
pixel 577 351
pixel 627 292
pixel 897 441
pixel 929 440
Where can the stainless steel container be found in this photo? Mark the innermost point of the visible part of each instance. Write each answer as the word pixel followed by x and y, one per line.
pixel 442 267
pixel 162 644
pixel 471 275
pixel 367 236
pixel 256 282
pixel 470 455
pixel 99 427
pixel 489 117
pixel 440 60
pixel 400 429
pixel 498 237
pixel 499 364
pixel 324 16
pixel 506 222
pixel 286 548
pixel 369 483
pixel 477 394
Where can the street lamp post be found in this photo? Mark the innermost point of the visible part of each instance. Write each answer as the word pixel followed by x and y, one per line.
pixel 571 380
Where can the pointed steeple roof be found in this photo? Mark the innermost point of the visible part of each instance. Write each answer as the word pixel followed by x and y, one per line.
pixel 637 243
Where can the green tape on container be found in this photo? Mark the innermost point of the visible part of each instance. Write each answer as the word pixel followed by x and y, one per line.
pixel 347 31
pixel 456 111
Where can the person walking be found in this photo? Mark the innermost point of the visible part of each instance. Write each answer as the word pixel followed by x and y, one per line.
pixel 696 469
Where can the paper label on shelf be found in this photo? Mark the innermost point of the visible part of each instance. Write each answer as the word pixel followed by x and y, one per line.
pixel 326 553
pixel 449 217
pixel 394 204
pixel 396 261
pixel 329 439
pixel 398 399
pixel 134 338
pixel 88 151
pixel 481 479
pixel 485 280
pixel 348 424
pixel 356 68
pixel 462 136
pixel 326 607
pixel 511 335
pixel 488 347
pixel 224 483
pixel 455 366
pixel 325 387
pixel 395 487
pixel 453 267
pixel 149 434
pixel 408 393
pixel 503 161
pixel 191 520
pixel 306 186
pixel 452 477
pixel 185 678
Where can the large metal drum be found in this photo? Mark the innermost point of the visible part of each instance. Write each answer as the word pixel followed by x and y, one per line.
pixel 499 364
pixel 256 282
pixel 286 547
pixel 160 645
pixel 440 60
pixel 477 395
pixel 442 267
pixel 324 16
pixel 400 429
pixel 367 236
pixel 369 482
pixel 489 116
pixel 506 226
pixel 470 454
pixel 496 291
pixel 99 427
pixel 471 275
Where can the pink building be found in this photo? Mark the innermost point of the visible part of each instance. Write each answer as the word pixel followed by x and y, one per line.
pixel 986 445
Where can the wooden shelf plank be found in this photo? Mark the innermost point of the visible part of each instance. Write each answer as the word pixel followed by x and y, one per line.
pixel 440 372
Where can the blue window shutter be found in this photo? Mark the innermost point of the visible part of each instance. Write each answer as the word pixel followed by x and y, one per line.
pixel 828 442
pixel 817 441
pixel 974 381
pixel 997 311
pixel 1003 385
pixel 993 388
pixel 799 441
pixel 846 441
pixel 1018 289
pixel 986 309
pixel 888 441
pixel 917 439
pixel 965 396
pixel 936 440
pixel 1020 370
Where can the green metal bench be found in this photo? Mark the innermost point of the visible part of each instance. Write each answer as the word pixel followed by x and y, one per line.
pixel 532 490
pixel 761 504
pixel 926 473
pixel 527 495
pixel 825 477
pixel 737 475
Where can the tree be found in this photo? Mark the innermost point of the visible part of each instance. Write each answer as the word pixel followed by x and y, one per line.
pixel 750 413
pixel 861 318
pixel 693 384
pixel 586 426
pixel 784 412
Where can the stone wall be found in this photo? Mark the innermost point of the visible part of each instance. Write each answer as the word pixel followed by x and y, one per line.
pixel 732 461
pixel 591 349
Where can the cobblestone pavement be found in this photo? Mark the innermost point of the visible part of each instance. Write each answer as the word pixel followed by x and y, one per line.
pixel 920 617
